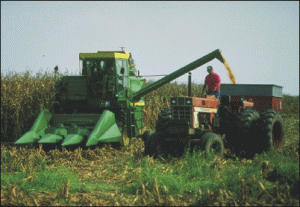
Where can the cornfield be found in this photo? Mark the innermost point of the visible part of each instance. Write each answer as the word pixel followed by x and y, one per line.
pixel 22 97
pixel 107 176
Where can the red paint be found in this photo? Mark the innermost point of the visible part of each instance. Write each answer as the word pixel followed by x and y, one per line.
pixel 265 102
pixel 208 102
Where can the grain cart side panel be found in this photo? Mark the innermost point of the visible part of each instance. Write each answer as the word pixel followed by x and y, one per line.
pixel 277 103
pixel 264 96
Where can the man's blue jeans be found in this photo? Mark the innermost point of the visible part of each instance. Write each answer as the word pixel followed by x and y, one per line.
pixel 216 93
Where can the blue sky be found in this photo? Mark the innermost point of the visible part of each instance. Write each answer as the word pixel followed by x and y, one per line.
pixel 260 40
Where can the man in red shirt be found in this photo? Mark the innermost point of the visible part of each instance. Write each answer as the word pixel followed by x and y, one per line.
pixel 212 83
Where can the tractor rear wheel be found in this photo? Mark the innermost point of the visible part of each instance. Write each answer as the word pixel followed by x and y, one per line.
pixel 271 133
pixel 241 137
pixel 212 145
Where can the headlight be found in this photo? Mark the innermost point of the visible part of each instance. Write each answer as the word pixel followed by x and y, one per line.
pixel 173 101
pixel 189 102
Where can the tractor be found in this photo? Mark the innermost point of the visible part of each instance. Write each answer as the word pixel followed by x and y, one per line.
pixel 246 120
pixel 105 105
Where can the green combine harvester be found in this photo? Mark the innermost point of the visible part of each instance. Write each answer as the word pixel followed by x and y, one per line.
pixel 103 105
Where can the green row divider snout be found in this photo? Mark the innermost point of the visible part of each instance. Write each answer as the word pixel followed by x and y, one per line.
pixel 56 137
pixel 106 130
pixel 76 137
pixel 37 130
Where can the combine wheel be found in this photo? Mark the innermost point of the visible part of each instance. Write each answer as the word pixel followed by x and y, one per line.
pixel 241 136
pixel 164 119
pixel 212 145
pixel 271 133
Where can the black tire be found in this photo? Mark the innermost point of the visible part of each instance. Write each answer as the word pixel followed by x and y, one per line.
pixel 271 132
pixel 226 120
pixel 164 118
pixel 147 134
pixel 153 145
pixel 212 145
pixel 241 135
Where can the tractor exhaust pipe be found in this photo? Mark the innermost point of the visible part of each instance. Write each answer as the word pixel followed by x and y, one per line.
pixel 190 84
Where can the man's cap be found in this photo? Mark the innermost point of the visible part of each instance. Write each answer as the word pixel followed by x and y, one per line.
pixel 209 68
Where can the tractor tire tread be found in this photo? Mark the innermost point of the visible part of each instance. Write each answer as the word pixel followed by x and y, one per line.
pixel 265 127
pixel 242 132
pixel 207 140
pixel 152 142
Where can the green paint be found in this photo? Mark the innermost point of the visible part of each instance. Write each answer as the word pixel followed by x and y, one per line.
pixel 106 121
pixel 72 139
pixel 76 135
pixel 50 138
pixel 27 138
pixel 37 130
pixel 112 134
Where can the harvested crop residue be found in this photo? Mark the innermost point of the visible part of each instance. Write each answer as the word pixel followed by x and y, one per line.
pixel 109 177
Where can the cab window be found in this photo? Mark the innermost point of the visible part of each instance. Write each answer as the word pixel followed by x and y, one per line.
pixel 122 78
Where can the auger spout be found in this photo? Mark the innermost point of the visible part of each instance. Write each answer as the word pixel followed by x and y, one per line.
pixel 197 63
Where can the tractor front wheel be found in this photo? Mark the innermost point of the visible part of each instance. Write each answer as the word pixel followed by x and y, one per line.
pixel 212 145
pixel 146 136
pixel 153 146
